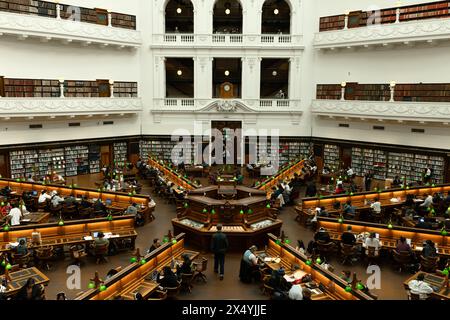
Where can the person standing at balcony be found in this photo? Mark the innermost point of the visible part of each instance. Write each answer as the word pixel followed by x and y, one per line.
pixel 368 180
pixel 219 246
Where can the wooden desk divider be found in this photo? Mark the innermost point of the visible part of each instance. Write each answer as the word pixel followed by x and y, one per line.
pixel 287 172
pixel 331 281
pixel 174 177
pixel 388 236
pixel 72 232
pixel 384 196
pixel 137 271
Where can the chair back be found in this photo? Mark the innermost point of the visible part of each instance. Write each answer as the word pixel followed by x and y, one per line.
pixel 348 250
pixel 401 257
pixel 325 246
pixel 101 249
pixel 371 252
pixel 172 292
pixel 44 252
pixel 428 264
pixel 203 266
pixel 414 296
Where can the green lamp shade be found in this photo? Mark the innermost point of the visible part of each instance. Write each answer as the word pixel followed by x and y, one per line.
pixel 99 190
pixel 348 289
pixel 318 260
pixel 8 266
pixel 390 226
pixel 186 205
pixel 174 241
pixel 359 286
pixel 165 240
pixel 250 211
pixel 407 188
pixel 60 223
pixel 2 204
pixel 6 228
pixel 213 211
pixel 340 220
pixel 18 180
pixel 241 212
pixel 320 197
pixel 110 217
pixel 75 185
pixel 376 189
pixel 143 261
pixel 205 211
pixel 102 287
pixel 308 262
pixel 133 259
pixel 444 232
pixel 268 206
pixel 91 285
pixel 351 193
pixel 3 263
pixel 278 241
pixel 445 272
pixel 287 241
pixel 433 185
pixel 130 194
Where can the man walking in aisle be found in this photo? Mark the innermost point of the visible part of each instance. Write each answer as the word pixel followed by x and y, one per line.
pixel 219 246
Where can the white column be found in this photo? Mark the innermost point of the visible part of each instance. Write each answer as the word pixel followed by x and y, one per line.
pixel 160 78
pixel 203 80
pixel 58 10
pixel 61 88
pixel 109 18
pixel 251 74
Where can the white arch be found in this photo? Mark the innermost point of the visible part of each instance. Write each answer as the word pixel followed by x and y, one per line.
pixel 211 9
pixel 163 10
pixel 291 8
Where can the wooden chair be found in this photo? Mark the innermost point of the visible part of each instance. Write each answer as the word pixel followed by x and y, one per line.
pixel 69 212
pixel 413 296
pixel 348 252
pixel 402 259
pixel 326 249
pixel 186 282
pixel 85 213
pixel 200 269
pixel 77 253
pixel 372 256
pixel 100 252
pixel 44 255
pixel 158 295
pixel 22 260
pixel 55 211
pixel 173 292
pixel 268 290
pixel 428 264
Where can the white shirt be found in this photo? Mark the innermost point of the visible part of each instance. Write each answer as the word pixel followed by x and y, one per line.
pixel 296 292
pixel 44 197
pixel 421 288
pixel 372 242
pixel 428 201
pixel 15 215
pixel 57 200
pixel 376 206
pixel 350 172
pixel 428 172
pixel 152 203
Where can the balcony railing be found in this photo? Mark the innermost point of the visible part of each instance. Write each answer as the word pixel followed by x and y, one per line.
pixel 47 29
pixel 226 105
pixel 57 107
pixel 227 40
pixel 406 33
pixel 384 110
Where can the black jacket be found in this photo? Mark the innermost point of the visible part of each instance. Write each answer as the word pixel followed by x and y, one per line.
pixel 170 281
pixel 322 236
pixel 219 243
pixel 348 238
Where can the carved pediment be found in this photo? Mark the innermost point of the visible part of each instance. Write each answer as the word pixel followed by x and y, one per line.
pixel 227 106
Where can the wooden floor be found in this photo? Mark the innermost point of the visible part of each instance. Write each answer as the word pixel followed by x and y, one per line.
pixel 230 287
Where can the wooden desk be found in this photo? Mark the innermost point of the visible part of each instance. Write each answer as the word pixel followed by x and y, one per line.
pixel 284 173
pixel 335 286
pixel 35 218
pixel 135 277
pixel 172 175
pixel 389 237
pixel 19 278
pixel 435 281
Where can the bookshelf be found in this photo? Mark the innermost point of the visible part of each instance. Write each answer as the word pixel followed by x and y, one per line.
pixel 331 157
pixel 94 157
pixel 31 88
pixel 125 21
pixel 328 91
pixel 23 163
pixel 364 159
pixel 332 23
pixel 78 88
pixel 76 160
pixel 125 89
pixel 39 8
pixel 144 149
pixel 52 160
pixel 120 152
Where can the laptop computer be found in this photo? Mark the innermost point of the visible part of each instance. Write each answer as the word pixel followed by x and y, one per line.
pixel 108 202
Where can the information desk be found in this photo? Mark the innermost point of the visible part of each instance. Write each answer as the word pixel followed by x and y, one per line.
pixel 439 284
pixel 136 277
pixel 19 278
pixel 360 199
pixel 115 201
pixel 71 233
pixel 332 286
pixel 388 237
pixel 285 173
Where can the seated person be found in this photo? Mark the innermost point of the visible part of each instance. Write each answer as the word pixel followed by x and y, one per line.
pixel 376 206
pixel 372 242
pixel 85 202
pixel 249 265
pixel 30 291
pixel 349 210
pixel 169 279
pixel 323 212
pixel 99 207
pixel 100 240
pixel 296 292
pixel 278 283
pixel 348 237
pixel 186 267
pixel 70 201
pixel 22 248
pixel 56 199
pixel 420 287
pixel 44 196
pixel 429 249
pixel 155 245
pixel 15 215
pixel 403 246
pixel 322 235
pixel 132 209
pixel 428 202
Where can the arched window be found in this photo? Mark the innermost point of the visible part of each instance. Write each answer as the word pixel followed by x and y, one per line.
pixel 179 16
pixel 227 17
pixel 276 17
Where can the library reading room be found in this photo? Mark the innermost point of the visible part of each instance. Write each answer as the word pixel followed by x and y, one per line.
pixel 247 150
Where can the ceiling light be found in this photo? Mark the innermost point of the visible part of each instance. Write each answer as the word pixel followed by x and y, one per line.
pixel 179 10
pixel 276 11
pixel 227 11
pixel 179 72
pixel 274 73
pixel 227 73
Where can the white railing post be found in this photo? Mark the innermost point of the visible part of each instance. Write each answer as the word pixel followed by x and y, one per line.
pixel 61 88
pixel 392 87
pixel 346 21
pixel 111 88
pixel 397 15
pixel 109 18
pixel 343 85
pixel 58 10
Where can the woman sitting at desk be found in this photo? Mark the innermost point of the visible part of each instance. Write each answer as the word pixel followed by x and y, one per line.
pixel 169 280
pixel 22 248
pixel 30 291
pixel 186 267
pixel 279 284
pixel 372 242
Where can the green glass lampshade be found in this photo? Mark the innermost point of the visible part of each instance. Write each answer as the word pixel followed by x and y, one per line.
pixel 318 260
pixel 433 185
pixel 332 179
pixel 250 211
pixel 110 217
pixel 6 228
pixel 308 262
pixel 278 242
pixel 359 286
pixel 8 266
pixel 375 189
pixel 346 192
pixel 2 204
pixel 407 188
pixel 287 241
pixel 340 220
pixel 205 210
pixel 444 232
pixel 213 211
pixel 165 240
pixel 390 226
pixel 351 193
pixel 174 241
pixel 3 263
pixel 445 272
pixel 133 259
pixel 348 289
pixel 18 180
pixel 75 185
pixel 102 287
pixel 268 206
pixel 241 212
pixel 320 197
pixel 91 285
pixel 186 204
pixel 143 261
pixel 130 194
pixel 60 223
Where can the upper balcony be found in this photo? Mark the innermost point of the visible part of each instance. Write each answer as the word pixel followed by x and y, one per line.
pixel 228 41
pixel 32 98
pixel 48 21
pixel 421 23
pixel 419 103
